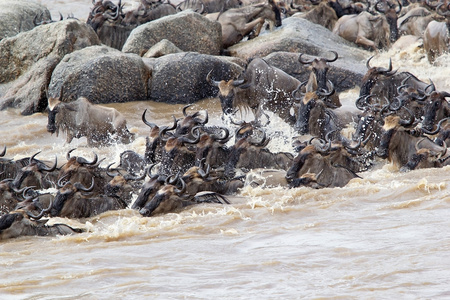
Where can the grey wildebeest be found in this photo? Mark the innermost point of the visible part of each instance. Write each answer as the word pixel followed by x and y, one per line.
pixel 263 87
pixel 436 39
pixel 208 6
pixel 365 30
pixel 322 14
pixel 100 125
pixel 238 23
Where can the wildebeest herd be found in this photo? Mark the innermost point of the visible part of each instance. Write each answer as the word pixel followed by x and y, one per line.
pixel 401 119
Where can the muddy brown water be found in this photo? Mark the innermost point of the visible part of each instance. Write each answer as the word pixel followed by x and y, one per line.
pixel 385 236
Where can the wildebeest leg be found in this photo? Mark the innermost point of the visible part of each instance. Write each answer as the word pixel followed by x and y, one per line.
pixel 256 25
pixel 361 40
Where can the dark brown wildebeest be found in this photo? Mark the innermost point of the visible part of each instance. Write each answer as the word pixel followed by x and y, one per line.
pixel 171 198
pixel 313 160
pixel 263 87
pixel 397 143
pixel 72 201
pixel 317 80
pixel 99 124
pixel 436 109
pixel 17 223
pixel 248 154
pixel 35 173
pixel 383 83
pixel 201 178
pixel 149 188
pixel 315 116
pixel 238 23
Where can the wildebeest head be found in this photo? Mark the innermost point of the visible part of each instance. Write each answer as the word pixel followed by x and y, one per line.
pixel 391 12
pixel 65 202
pixel 186 124
pixel 167 199
pixel 33 173
pixel 436 109
pixel 373 75
pixel 121 186
pixel 227 90
pixel 318 77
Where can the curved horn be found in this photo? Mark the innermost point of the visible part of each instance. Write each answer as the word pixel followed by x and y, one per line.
pixel 184 109
pixel 183 187
pixel 149 172
pixel 260 143
pixel 42 213
pixel 196 133
pixel 83 161
pixel 294 92
pixel 333 59
pixel 59 182
pixel 304 62
pixel 378 9
pixel 149 124
pixel 368 62
pixel 3 152
pixel 68 153
pixel 411 119
pixel 226 134
pixel 33 156
pixel 80 187
pixel 210 81
pixel 46 169
pixel 438 128
pixel 110 174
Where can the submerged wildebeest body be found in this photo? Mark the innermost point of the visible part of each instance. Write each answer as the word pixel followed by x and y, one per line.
pixel 238 23
pixel 263 87
pixel 16 224
pixel 80 118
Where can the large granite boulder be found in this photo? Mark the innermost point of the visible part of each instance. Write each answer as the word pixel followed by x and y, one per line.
pixel 27 61
pixel 102 74
pixel 189 31
pixel 20 15
pixel 345 74
pixel 181 77
pixel 300 36
pixel 19 53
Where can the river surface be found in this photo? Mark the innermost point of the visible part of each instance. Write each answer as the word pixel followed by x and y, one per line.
pixel 385 236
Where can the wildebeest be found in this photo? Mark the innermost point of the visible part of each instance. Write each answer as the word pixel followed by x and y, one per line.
pixel 316 160
pixel 17 223
pixel 262 87
pixel 238 23
pixel 73 201
pixel 208 6
pixel 436 109
pixel 171 198
pixel 100 125
pixel 365 30
pixel 322 14
pixel 35 173
pixel 398 145
pixel 248 154
pixel 436 39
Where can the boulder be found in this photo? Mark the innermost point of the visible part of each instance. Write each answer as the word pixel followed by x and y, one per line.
pixel 28 59
pixel 300 36
pixel 162 48
pixel 20 15
pixel 187 30
pixel 101 74
pixel 19 53
pixel 345 74
pixel 181 77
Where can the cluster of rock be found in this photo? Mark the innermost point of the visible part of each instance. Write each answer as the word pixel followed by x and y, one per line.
pixel 165 60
